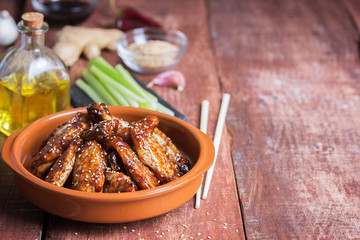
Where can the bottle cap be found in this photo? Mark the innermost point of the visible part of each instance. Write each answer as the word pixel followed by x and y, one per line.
pixel 33 19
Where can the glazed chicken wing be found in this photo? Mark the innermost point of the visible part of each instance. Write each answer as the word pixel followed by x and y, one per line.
pixel 142 176
pixel 61 169
pixel 79 116
pixel 44 159
pixel 105 129
pixel 99 112
pixel 149 151
pixel 114 161
pixel 117 182
pixel 171 151
pixel 89 168
pixel 99 152
pixel 106 125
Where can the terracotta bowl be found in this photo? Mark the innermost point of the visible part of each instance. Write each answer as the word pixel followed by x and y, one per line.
pixel 109 207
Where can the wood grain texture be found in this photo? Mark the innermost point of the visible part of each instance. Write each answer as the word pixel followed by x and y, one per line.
pixel 18 218
pixel 291 140
pixel 292 68
pixel 219 216
pixel 353 7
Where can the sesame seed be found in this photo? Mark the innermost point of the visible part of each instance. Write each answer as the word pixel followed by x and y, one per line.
pixel 207 213
pixel 214 219
pixel 124 227
pixel 236 230
pixel 133 230
pixel 199 234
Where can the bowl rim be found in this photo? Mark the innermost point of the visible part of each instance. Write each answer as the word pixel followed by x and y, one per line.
pixel 123 50
pixel 199 167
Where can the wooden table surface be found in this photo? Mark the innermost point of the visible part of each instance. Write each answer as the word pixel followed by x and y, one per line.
pixel 288 165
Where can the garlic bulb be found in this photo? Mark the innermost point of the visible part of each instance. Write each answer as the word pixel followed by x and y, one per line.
pixel 8 29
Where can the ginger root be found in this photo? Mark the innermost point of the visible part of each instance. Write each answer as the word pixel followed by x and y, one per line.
pixel 72 41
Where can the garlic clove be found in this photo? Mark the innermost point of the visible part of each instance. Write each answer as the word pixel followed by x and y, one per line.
pixel 8 29
pixel 169 78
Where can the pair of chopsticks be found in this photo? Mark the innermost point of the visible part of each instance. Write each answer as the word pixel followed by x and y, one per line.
pixel 217 137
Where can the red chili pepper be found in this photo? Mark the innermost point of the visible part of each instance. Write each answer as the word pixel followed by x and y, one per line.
pixel 131 19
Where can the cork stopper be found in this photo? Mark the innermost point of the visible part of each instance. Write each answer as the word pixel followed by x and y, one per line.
pixel 33 19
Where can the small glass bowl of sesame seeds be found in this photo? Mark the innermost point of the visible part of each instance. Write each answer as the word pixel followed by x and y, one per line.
pixel 151 50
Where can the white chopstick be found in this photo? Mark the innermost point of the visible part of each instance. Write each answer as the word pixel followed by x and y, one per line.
pixel 203 127
pixel 218 132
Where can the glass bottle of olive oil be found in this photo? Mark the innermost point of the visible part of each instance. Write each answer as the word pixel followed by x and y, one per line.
pixel 34 82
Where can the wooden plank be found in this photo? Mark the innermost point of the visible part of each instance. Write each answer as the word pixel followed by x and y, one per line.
pixel 219 216
pixel 15 8
pixel 18 218
pixel 184 222
pixel 293 70
pixel 353 7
